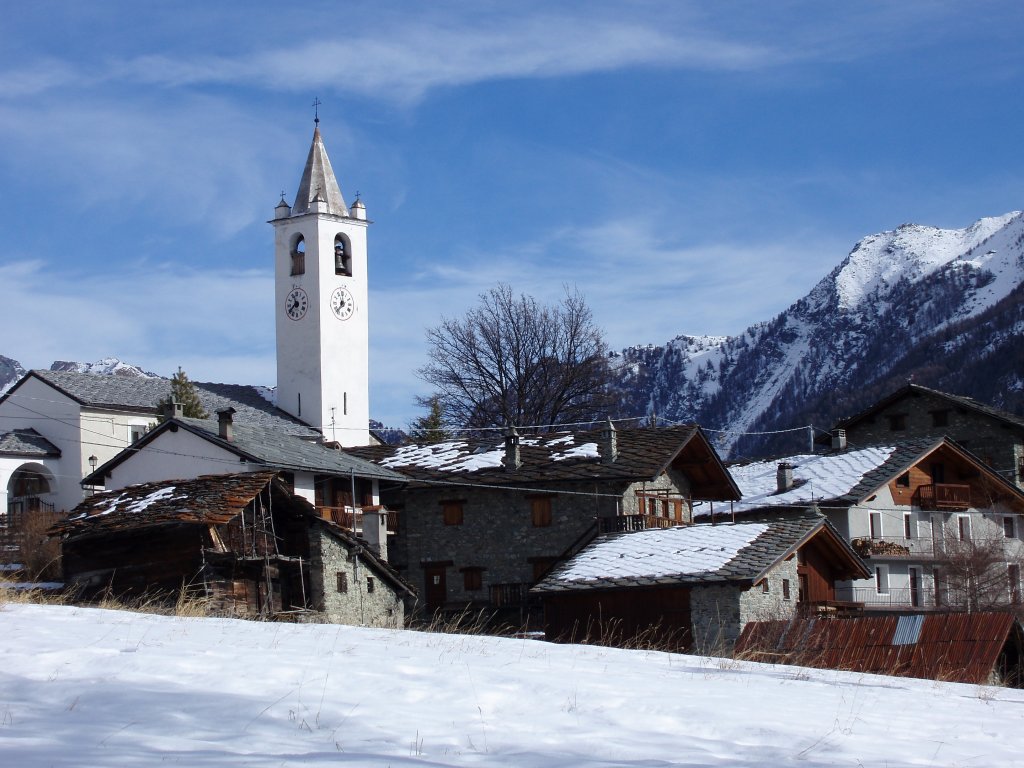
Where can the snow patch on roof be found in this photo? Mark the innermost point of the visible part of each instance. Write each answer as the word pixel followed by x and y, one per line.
pixel 661 552
pixel 585 451
pixel 816 477
pixel 132 505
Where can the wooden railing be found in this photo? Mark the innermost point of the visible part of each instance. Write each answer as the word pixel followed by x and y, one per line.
pixel 944 496
pixel 630 523
pixel 351 519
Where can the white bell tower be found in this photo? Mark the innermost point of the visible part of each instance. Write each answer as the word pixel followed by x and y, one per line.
pixel 321 304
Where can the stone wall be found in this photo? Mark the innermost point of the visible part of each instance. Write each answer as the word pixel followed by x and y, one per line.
pixel 719 613
pixel 993 441
pixel 496 534
pixel 381 606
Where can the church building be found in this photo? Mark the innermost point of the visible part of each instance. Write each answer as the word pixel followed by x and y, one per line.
pixel 57 427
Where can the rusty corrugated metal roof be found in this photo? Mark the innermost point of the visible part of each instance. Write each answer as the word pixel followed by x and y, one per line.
pixel 956 647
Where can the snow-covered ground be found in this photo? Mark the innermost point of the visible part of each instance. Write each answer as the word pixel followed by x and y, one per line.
pixel 84 687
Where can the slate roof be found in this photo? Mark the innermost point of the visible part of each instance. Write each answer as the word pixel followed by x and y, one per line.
pixel 739 553
pixel 838 478
pixel 261 445
pixel 26 442
pixel 212 499
pixel 140 394
pixel 961 401
pixel 643 454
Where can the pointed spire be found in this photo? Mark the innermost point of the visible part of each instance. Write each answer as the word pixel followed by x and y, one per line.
pixel 318 182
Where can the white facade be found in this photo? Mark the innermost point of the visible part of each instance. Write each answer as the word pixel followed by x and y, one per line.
pixel 322 309
pixel 907 549
pixel 80 433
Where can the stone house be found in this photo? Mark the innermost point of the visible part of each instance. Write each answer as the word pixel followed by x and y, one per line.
pixel 695 587
pixel 913 411
pixel 244 542
pixel 482 520
pixel 938 526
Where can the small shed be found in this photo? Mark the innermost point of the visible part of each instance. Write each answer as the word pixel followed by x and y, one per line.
pixel 695 587
pixel 979 648
pixel 244 542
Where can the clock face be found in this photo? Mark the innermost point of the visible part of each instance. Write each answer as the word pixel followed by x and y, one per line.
pixel 295 304
pixel 342 304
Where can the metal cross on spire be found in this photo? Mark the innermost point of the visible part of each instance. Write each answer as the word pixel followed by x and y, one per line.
pixel 316 112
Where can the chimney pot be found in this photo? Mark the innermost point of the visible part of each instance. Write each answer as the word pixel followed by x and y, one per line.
pixel 838 439
pixel 784 477
pixel 512 458
pixel 375 531
pixel 225 423
pixel 174 410
pixel 609 442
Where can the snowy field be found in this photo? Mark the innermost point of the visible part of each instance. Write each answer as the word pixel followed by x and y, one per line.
pixel 85 687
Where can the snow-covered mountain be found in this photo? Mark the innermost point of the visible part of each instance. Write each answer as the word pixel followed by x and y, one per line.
pixel 943 306
pixel 12 370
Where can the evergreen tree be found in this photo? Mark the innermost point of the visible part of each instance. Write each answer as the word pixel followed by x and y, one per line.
pixel 429 428
pixel 184 391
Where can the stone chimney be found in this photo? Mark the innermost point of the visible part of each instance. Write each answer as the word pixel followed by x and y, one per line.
pixel 375 531
pixel 609 442
pixel 838 439
pixel 512 459
pixel 225 423
pixel 174 410
pixel 784 477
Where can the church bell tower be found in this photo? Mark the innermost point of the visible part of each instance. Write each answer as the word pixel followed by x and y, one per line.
pixel 321 304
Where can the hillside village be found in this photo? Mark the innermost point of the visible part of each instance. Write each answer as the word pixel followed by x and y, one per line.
pixel 906 517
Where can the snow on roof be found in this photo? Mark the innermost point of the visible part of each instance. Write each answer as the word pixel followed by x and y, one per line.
pixel 136 505
pixel 460 456
pixel 661 552
pixel 585 451
pixel 815 476
pixel 453 456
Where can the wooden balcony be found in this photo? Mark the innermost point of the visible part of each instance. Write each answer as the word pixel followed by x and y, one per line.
pixel 351 519
pixel 943 496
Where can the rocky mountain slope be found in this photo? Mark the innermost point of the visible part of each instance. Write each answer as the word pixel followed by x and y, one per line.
pixel 941 306
pixel 12 370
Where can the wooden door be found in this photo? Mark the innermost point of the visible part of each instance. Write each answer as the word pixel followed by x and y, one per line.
pixel 435 587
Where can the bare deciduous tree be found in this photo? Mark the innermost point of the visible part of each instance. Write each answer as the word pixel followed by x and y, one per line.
pixel 513 362
pixel 973 575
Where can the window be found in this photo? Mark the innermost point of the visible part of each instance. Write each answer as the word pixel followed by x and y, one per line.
pixel 764 587
pixel 785 589
pixel 1009 529
pixel 938 473
pixel 540 511
pixel 452 512
pixel 342 256
pixel 342 582
pixel 472 578
pixel 298 254
pixel 369 584
pixel 897 422
pixel 882 579
pixel 940 418
pixel 652 507
pixel 908 526
pixel 1013 576
pixel 903 480
pixel 963 527
pixel 875 525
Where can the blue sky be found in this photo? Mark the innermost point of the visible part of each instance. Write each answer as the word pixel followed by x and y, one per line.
pixel 692 167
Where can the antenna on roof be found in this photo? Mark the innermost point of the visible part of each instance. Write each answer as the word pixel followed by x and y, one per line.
pixel 316 110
